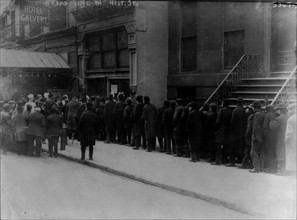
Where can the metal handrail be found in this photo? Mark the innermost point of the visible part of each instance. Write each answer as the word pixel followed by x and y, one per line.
pixel 284 85
pixel 223 81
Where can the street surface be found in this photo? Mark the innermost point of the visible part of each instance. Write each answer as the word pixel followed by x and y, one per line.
pixel 54 188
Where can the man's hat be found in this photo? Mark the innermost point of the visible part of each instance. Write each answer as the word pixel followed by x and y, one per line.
pixel 239 99
pixel 193 104
pixel 256 104
pixel 281 106
pixel 139 98
pixel 269 108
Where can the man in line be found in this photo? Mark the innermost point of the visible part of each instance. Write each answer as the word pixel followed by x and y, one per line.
pixel 88 129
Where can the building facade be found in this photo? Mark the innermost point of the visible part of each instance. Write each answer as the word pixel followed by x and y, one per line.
pixel 206 39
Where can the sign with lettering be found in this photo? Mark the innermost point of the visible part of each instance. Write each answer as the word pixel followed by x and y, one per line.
pixel 34 13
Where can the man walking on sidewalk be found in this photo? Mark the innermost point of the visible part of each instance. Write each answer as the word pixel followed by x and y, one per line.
pixel 88 128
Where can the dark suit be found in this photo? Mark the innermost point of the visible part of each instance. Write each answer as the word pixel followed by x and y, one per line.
pixel 128 121
pixel 210 121
pixel 177 129
pixel 195 131
pixel 36 131
pixel 167 123
pixel 222 131
pixel 88 128
pixel 118 113
pixel 138 125
pixel 109 120
pixel 53 128
pixel 160 128
pixel 237 134
pixel 149 116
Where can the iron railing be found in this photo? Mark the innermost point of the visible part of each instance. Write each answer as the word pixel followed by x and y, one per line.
pixel 246 67
pixel 287 93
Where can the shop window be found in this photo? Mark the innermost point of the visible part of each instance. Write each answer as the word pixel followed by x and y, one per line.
pixel 189 36
pixel 108 50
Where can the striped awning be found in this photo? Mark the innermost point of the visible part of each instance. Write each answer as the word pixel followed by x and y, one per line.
pixel 26 59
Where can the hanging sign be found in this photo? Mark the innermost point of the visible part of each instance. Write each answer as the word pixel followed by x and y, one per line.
pixel 34 13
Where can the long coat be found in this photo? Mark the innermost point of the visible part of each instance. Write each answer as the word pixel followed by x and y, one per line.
pixel 167 121
pixel 177 122
pixel 88 128
pixel 20 125
pixel 36 124
pixel 109 116
pixel 149 116
pixel 291 143
pixel 128 110
pixel 118 113
pixel 71 110
pixel 280 137
pixel 269 134
pixel 249 130
pixel 195 129
pixel 138 123
pixel 53 125
pixel 159 124
pixel 258 122
pixel 238 127
pixel 210 122
pixel 222 126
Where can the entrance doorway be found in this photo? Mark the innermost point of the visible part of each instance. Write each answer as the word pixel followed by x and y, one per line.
pixel 119 85
pixel 283 38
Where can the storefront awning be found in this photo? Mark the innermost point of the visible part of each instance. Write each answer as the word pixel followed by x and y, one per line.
pixel 26 60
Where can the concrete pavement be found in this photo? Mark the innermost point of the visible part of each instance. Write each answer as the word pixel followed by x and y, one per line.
pixel 260 195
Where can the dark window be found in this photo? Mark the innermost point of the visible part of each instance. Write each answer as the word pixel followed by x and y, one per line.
pixel 57 17
pixel 12 23
pixel 189 36
pixel 233 48
pixel 107 50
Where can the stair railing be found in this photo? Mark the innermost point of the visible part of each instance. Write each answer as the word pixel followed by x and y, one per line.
pixel 246 67
pixel 288 88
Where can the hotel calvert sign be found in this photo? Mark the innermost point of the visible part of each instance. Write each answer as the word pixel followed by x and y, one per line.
pixel 34 13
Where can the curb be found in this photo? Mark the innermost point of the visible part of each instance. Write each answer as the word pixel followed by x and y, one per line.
pixel 164 186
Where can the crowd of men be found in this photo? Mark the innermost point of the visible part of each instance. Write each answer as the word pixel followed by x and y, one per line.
pixel 256 137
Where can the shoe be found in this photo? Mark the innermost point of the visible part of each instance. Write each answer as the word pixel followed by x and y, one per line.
pixel 177 155
pixel 230 165
pixel 194 161
pixel 241 167
pixel 148 151
pixel 216 163
pixel 135 148
pixel 254 171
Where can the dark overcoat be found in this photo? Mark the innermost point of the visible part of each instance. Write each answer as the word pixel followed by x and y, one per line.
pixel 280 137
pixel 36 124
pixel 222 126
pixel 128 110
pixel 269 134
pixel 238 129
pixel 118 113
pixel 109 116
pixel 195 129
pixel 249 130
pixel 258 123
pixel 167 120
pixel 88 128
pixel 177 122
pixel 138 123
pixel 54 124
pixel 159 124
pixel 20 126
pixel 210 122
pixel 150 116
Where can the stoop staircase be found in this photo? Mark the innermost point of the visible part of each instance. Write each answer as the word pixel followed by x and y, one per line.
pixel 243 80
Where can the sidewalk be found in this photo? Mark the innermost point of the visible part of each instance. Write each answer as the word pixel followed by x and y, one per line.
pixel 259 194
